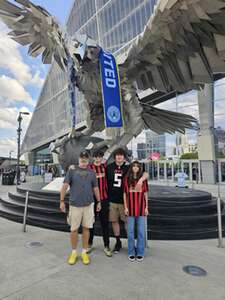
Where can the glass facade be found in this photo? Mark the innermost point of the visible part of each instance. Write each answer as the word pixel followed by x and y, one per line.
pixel 219 119
pixel 114 24
pixel 172 146
pixel 43 156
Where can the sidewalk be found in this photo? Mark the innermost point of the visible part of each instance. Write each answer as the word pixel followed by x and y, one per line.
pixel 42 273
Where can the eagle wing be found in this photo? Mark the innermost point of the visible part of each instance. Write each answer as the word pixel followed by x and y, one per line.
pixel 33 25
pixel 181 47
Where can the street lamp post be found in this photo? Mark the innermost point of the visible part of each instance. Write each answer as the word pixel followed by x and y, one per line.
pixel 10 156
pixel 19 130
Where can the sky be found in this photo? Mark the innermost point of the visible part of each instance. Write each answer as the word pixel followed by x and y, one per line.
pixel 21 79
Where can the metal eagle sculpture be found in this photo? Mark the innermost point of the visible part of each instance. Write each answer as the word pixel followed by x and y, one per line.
pixel 181 47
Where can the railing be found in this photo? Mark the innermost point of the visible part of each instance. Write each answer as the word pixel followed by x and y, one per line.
pixel 166 169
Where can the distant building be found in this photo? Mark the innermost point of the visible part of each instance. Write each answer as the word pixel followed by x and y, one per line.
pixel 7 162
pixel 142 150
pixel 156 143
pixel 220 140
pixel 184 145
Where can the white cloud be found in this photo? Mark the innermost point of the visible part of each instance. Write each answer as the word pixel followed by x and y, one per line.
pixel 7 145
pixel 8 118
pixel 8 121
pixel 12 90
pixel 37 80
pixel 12 61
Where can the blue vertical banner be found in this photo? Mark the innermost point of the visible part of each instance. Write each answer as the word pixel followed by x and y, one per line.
pixel 110 90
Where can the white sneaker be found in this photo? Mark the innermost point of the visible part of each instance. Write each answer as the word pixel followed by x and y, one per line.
pixel 140 258
pixel 131 258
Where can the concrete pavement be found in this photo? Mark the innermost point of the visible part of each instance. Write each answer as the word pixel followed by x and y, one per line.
pixel 42 273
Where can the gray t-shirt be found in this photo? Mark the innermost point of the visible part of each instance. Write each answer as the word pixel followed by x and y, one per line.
pixel 82 182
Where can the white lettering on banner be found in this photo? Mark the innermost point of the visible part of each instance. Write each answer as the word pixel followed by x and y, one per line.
pixel 107 55
pixel 109 72
pixel 111 83
pixel 109 63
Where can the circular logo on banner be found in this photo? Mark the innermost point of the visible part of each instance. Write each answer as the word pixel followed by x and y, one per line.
pixel 113 114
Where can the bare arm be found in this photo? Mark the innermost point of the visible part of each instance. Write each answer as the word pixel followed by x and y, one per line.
pixel 141 180
pixel 125 204
pixel 97 193
pixel 62 197
pixel 145 176
pixel 97 196
pixel 146 204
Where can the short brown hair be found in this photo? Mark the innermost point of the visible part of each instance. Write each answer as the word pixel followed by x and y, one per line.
pixel 119 151
pixel 84 154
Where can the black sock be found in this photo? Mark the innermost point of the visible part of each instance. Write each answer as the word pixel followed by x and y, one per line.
pixel 118 239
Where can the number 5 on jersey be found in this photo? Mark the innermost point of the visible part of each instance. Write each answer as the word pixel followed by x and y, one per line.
pixel 117 180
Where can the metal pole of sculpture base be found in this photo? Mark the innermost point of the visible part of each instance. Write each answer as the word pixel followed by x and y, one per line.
pixel 220 229
pixel 25 212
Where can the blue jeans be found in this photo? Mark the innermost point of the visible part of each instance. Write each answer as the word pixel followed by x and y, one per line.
pixel 140 236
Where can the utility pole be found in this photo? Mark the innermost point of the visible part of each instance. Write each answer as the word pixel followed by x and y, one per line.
pixel 19 130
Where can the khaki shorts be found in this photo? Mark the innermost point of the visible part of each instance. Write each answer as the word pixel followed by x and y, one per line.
pixel 81 215
pixel 116 212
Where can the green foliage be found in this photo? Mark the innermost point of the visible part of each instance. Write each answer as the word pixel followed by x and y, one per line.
pixel 191 155
pixel 220 155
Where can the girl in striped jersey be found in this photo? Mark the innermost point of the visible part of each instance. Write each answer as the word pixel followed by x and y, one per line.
pixel 136 209
pixel 100 169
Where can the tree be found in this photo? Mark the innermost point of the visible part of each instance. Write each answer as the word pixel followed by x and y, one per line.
pixel 189 155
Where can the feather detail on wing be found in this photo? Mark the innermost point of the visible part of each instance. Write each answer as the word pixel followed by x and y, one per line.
pixel 181 47
pixel 161 121
pixel 33 25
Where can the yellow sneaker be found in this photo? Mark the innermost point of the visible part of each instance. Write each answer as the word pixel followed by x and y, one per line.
pixel 72 258
pixel 85 258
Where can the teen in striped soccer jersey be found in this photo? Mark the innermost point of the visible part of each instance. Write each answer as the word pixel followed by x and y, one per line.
pixel 116 173
pixel 100 170
pixel 136 208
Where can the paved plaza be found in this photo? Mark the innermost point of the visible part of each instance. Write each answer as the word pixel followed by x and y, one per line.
pixel 42 273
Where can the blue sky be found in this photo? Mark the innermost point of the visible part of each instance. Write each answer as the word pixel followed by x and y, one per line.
pixel 21 78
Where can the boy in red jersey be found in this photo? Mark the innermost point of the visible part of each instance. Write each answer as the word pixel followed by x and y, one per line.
pixel 136 208
pixel 100 169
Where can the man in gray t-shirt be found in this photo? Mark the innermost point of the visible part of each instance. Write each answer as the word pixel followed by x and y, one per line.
pixel 81 181
pixel 83 186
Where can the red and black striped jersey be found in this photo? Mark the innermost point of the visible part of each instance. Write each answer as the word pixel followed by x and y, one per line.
pixel 135 198
pixel 102 181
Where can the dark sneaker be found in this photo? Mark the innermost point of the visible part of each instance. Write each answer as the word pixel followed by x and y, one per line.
pixel 131 258
pixel 140 258
pixel 117 247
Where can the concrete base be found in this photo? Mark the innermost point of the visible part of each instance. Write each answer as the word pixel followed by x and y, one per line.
pixel 208 170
